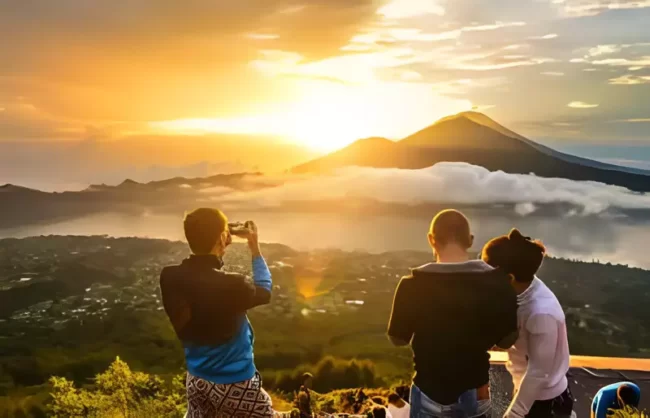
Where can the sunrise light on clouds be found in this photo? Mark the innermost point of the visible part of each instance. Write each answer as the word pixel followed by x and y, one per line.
pixel 323 73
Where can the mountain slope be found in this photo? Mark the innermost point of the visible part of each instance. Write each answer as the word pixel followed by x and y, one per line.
pixel 476 139
pixel 486 121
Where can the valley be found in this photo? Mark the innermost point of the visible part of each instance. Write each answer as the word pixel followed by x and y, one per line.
pixel 70 305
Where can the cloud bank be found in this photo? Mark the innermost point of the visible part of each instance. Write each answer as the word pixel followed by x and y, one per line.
pixel 444 183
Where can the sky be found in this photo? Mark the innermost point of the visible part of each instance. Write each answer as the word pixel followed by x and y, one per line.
pixel 574 74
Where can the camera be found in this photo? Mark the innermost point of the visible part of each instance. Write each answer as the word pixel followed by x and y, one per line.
pixel 238 228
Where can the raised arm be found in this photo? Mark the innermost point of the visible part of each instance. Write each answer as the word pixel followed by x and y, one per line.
pixel 542 344
pixel 262 281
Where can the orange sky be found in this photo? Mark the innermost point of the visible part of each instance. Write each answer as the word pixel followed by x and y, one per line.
pixel 322 73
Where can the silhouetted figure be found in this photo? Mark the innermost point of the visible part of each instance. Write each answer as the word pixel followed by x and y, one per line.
pixel 452 312
pixel 360 398
pixel 378 400
pixel 304 396
pixel 380 412
pixel 614 397
pixel 207 308
pixel 539 360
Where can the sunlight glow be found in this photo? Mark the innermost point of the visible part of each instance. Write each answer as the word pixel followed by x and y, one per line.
pixel 329 115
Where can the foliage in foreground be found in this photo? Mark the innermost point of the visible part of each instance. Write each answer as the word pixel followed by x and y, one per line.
pixel 628 412
pixel 118 392
pixel 329 374
pixel 121 392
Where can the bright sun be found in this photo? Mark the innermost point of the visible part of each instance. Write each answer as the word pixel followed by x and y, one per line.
pixel 329 116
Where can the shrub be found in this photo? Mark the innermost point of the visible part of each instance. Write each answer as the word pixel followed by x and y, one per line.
pixel 628 412
pixel 329 374
pixel 118 392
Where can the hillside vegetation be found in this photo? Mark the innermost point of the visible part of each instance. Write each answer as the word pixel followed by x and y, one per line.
pixel 71 305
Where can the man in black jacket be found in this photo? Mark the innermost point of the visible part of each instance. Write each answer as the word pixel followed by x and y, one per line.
pixel 452 312
pixel 207 308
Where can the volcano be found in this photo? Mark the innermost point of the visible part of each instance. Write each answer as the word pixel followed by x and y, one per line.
pixel 474 138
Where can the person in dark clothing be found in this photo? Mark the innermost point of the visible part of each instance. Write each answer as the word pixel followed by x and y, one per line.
pixel 452 312
pixel 304 396
pixel 207 308
pixel 379 412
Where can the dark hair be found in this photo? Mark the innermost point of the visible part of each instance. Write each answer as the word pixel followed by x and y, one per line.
pixel 393 398
pixel 379 400
pixel 203 229
pixel 404 392
pixel 306 376
pixel 451 226
pixel 379 412
pixel 627 396
pixel 515 254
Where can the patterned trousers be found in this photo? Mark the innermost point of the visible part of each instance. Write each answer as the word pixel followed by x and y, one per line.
pixel 240 400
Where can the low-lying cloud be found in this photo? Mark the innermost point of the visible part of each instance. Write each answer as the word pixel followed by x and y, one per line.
pixel 444 183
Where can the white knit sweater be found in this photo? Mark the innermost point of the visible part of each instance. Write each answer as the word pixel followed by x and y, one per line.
pixel 539 360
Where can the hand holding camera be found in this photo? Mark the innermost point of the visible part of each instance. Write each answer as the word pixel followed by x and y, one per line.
pixel 248 231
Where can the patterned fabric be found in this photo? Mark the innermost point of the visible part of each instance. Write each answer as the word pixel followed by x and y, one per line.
pixel 240 400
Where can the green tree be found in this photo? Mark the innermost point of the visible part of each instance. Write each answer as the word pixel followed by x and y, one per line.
pixel 118 392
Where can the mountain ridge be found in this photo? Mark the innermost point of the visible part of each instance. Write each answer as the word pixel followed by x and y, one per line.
pixel 475 138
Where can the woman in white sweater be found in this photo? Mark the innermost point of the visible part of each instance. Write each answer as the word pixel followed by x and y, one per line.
pixel 539 360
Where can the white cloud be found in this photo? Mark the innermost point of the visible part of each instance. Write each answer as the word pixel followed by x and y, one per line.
pixel 553 73
pixel 448 183
pixel 582 105
pixel 643 61
pixel 634 120
pixel 494 26
pixel 545 37
pixel 515 47
pixel 629 80
pixel 520 61
pixel 603 50
pixel 578 8
pixel 262 36
pixel 400 9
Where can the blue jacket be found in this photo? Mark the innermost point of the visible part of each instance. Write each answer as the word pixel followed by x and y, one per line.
pixel 207 308
pixel 607 398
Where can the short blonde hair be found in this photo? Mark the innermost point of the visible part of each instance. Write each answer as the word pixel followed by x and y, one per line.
pixel 203 229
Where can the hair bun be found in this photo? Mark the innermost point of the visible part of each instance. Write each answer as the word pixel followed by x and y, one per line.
pixel 515 235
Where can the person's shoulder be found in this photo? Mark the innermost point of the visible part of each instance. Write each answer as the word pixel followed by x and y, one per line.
pixel 234 280
pixel 231 275
pixel 168 272
pixel 406 282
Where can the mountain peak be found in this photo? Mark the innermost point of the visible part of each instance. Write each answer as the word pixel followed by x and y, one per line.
pixel 471 115
pixel 14 188
pixel 484 120
pixel 373 140
pixel 129 183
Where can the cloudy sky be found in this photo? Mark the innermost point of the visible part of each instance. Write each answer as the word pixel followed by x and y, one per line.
pixel 322 73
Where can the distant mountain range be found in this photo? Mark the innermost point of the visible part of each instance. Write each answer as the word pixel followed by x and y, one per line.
pixel 476 139
pixel 467 137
